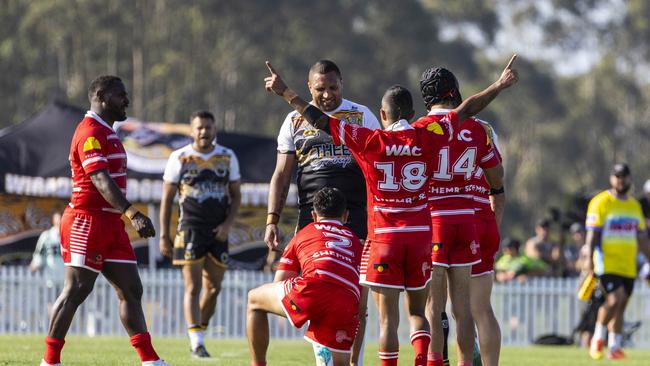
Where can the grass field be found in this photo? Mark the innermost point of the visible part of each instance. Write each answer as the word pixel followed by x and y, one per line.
pixel 27 350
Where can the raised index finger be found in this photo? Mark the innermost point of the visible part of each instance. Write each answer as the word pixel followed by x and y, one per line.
pixel 270 67
pixel 512 60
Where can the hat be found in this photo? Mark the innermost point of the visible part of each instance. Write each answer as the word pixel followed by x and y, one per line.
pixel 621 170
pixel 576 227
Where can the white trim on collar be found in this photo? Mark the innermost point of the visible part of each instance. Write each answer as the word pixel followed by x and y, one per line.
pixel 400 125
pixel 438 111
pixel 97 118
pixel 332 221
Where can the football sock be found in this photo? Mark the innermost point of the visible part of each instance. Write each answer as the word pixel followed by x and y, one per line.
pixel 262 363
pixel 434 359
pixel 142 344
pixel 599 332
pixel 420 340
pixel 614 341
pixel 53 349
pixel 387 358
pixel 195 332
pixel 445 336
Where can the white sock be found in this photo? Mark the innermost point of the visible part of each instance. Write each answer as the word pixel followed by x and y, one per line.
pixel 614 341
pixel 599 332
pixel 196 338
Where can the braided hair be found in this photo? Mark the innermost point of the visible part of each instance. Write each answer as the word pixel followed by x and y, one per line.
pixel 439 85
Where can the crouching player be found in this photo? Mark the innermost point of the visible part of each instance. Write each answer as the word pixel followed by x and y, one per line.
pixel 317 281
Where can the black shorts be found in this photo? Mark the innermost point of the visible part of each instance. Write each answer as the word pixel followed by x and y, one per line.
pixel 192 244
pixel 357 220
pixel 610 282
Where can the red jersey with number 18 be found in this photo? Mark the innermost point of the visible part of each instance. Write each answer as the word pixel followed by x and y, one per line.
pixel 397 163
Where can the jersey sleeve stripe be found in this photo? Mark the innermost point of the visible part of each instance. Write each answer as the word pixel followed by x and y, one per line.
pixel 93 160
pixel 488 157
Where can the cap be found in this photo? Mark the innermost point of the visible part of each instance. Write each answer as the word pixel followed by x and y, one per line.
pixel 621 170
pixel 576 227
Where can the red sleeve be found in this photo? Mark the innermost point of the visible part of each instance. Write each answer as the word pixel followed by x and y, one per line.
pixel 489 156
pixel 353 136
pixel 289 260
pixel 91 149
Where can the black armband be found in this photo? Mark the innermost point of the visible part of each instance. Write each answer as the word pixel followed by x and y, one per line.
pixel 317 118
pixel 494 191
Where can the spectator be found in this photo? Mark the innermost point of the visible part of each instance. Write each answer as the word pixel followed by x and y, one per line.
pixel 513 265
pixel 540 246
pixel 47 255
pixel 571 252
pixel 645 202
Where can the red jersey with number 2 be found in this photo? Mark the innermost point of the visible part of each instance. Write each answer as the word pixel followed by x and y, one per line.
pixel 456 163
pixel 397 163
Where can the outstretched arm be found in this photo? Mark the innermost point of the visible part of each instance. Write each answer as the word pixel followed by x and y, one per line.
pixel 313 115
pixel 474 104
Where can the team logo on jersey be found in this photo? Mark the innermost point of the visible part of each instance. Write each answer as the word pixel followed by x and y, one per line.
pixel 426 266
pixel 92 143
pixel 436 247
pixel 436 128
pixel 465 135
pixel 380 267
pixel 310 132
pixel 474 247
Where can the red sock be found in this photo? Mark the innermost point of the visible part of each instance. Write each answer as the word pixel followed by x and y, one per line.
pixel 435 359
pixel 53 349
pixel 142 344
pixel 253 363
pixel 388 358
pixel 420 340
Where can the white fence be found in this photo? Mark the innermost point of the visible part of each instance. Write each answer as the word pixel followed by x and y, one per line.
pixel 525 311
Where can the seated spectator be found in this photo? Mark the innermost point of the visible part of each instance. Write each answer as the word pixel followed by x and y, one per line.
pixel 540 246
pixel 513 265
pixel 645 202
pixel 572 250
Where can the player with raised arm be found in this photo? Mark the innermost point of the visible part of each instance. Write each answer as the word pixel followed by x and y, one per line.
pixel 323 258
pixel 397 165
pixel 319 164
pixel 93 239
pixel 455 243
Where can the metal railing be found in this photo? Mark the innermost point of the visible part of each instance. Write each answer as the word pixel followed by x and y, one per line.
pixel 524 310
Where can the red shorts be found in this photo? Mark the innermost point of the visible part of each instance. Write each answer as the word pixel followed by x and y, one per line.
pixel 332 311
pixel 454 245
pixel 487 232
pixel 402 266
pixel 90 239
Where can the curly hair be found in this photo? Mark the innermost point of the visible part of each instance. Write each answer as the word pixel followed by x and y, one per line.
pixel 439 85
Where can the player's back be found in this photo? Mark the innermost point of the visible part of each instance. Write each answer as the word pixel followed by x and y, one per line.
pixel 457 162
pixel 329 251
pixel 478 187
pixel 397 164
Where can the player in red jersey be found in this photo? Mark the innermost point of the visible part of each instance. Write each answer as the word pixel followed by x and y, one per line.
pixel 396 165
pixel 93 238
pixel 487 218
pixel 455 244
pixel 317 281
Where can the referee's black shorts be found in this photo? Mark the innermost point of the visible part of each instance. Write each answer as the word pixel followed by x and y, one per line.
pixel 357 220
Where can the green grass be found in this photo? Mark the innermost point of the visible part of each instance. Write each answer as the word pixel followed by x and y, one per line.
pixel 28 350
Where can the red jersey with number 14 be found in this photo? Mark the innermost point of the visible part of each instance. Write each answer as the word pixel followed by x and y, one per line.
pixel 397 163
pixel 326 250
pixel 95 146
pixel 456 164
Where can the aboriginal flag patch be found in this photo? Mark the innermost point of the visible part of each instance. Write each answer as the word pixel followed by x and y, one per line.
pixel 294 307
pixel 436 247
pixel 380 267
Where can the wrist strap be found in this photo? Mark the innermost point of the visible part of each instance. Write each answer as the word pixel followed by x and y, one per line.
pixel 494 191
pixel 130 211
pixel 271 218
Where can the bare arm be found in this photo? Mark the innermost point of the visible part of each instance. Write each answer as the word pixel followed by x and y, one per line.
pixel 593 240
pixel 113 195
pixel 494 177
pixel 477 102
pixel 166 201
pixel 278 191
pixel 313 115
pixel 282 275
pixel 644 243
